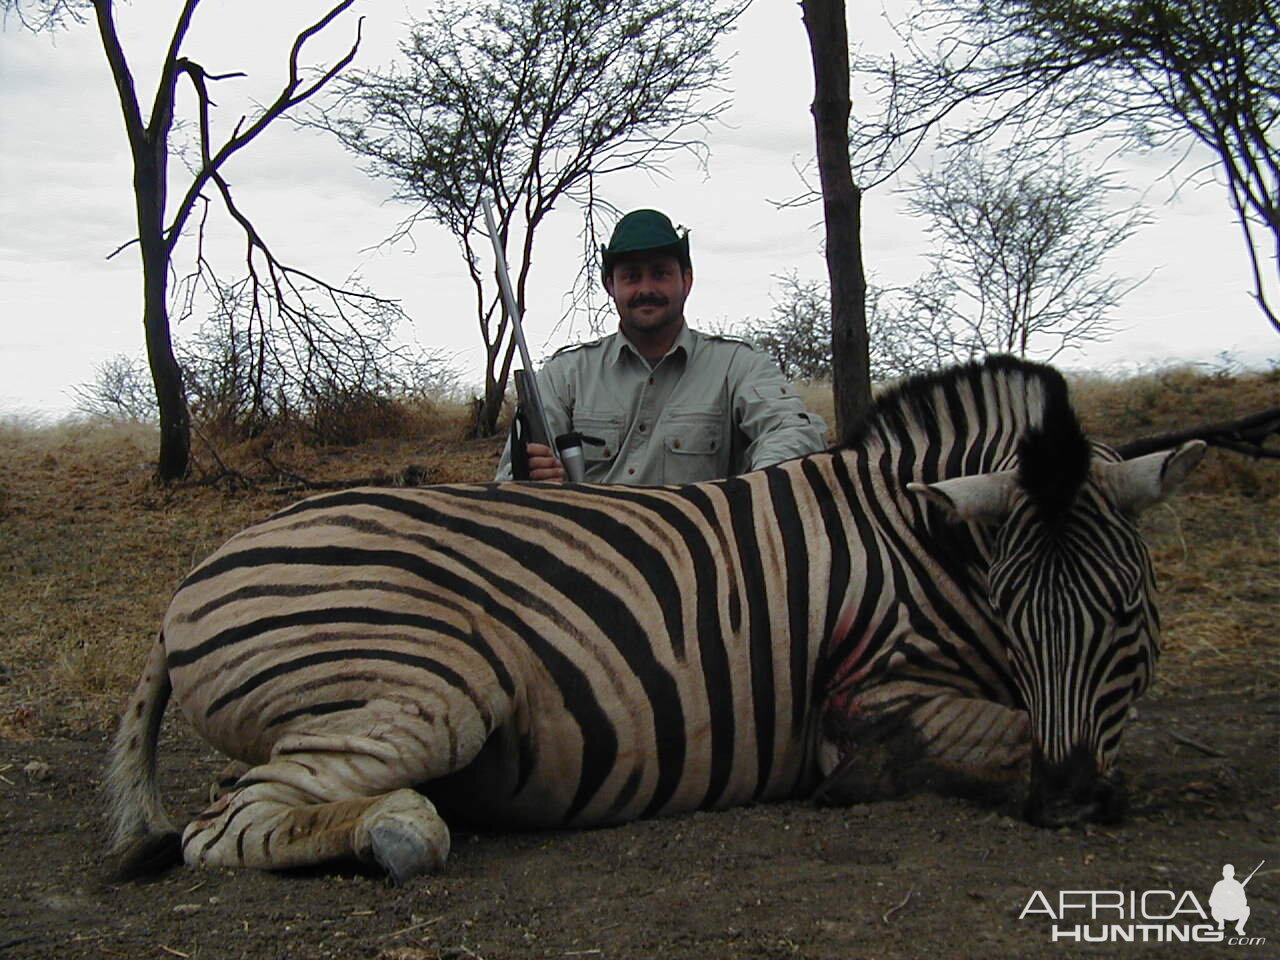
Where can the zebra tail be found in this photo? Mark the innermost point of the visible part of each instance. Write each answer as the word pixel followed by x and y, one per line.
pixel 143 838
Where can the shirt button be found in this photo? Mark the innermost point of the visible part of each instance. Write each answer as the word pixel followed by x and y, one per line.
pixel 643 428
pixel 651 381
pixel 631 471
pixel 676 444
pixel 607 452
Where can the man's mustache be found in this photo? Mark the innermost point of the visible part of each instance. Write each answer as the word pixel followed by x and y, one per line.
pixel 647 300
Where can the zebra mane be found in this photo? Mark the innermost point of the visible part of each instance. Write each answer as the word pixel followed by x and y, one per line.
pixel 1052 451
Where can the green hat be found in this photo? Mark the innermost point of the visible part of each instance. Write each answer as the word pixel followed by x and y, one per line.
pixel 645 230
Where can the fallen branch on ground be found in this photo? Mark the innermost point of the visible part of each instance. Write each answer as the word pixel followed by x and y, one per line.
pixel 1248 435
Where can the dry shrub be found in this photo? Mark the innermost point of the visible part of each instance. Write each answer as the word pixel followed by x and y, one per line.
pixel 369 435
pixel 1118 408
pixel 350 418
pixel 1217 558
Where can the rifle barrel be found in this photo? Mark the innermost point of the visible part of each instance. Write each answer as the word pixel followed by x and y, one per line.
pixel 1255 870
pixel 513 311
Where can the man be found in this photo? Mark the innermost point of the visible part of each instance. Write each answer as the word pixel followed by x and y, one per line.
pixel 1228 900
pixel 664 402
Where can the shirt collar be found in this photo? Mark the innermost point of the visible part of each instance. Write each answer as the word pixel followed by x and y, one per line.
pixel 685 343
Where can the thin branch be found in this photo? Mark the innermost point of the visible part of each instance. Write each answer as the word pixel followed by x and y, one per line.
pixel 162 107
pixel 288 97
pixel 1247 435
pixel 126 92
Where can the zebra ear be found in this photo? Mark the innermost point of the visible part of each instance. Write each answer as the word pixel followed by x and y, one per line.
pixel 982 498
pixel 1143 481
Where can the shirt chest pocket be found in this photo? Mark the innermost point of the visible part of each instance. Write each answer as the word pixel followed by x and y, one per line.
pixel 694 447
pixel 604 427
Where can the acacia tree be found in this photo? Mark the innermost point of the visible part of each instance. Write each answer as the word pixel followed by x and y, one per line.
pixel 273 291
pixel 1143 72
pixel 528 102
pixel 1019 243
pixel 824 21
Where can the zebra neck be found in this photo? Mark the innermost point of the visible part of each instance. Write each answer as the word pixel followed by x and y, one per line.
pixel 893 562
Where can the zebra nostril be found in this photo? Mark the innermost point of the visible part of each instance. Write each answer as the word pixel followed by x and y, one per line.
pixel 1061 809
pixel 1073 792
pixel 1058 801
pixel 1071 813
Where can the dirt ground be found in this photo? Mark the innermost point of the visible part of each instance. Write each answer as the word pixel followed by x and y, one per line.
pixel 920 877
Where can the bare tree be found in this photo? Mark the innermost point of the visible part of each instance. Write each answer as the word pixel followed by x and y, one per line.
pixel 908 329
pixel 913 329
pixel 797 334
pixel 1143 72
pixel 529 102
pixel 1019 243
pixel 824 21
pixel 121 390
pixel 273 291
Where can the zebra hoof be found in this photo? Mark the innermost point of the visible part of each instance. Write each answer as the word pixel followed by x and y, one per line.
pixel 406 837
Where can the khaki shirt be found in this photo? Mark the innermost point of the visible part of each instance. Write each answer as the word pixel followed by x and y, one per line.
pixel 712 407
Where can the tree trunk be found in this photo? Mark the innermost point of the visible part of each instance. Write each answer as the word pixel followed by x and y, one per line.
pixel 497 376
pixel 488 410
pixel 175 420
pixel 824 21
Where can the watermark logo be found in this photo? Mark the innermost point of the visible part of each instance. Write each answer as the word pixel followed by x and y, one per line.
pixel 1228 900
pixel 1147 916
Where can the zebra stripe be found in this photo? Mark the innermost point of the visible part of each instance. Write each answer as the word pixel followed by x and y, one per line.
pixel 955 590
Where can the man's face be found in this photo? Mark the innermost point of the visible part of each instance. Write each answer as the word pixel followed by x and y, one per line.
pixel 649 292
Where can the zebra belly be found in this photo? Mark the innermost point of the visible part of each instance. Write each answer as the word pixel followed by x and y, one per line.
pixel 537 775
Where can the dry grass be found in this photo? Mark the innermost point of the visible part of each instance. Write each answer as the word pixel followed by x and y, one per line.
pixel 90 548
pixel 1216 545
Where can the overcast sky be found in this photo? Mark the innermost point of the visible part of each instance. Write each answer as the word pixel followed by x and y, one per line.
pixel 66 202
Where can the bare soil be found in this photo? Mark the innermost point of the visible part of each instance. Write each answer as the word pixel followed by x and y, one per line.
pixel 924 876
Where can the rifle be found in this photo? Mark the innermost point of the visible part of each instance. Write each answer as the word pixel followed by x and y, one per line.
pixel 1250 876
pixel 568 446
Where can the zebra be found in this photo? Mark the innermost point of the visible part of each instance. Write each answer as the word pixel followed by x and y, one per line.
pixel 956 598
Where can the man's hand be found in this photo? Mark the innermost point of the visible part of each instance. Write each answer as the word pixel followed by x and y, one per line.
pixel 543 464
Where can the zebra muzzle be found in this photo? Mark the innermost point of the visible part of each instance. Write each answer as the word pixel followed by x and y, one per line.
pixel 1074 793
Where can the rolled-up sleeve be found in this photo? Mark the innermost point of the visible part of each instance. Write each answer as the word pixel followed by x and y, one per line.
pixel 771 414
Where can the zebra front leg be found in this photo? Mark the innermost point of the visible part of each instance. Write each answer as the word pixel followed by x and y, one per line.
pixel 321 804
pixel 886 743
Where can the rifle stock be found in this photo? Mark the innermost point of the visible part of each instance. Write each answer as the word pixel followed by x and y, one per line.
pixel 536 429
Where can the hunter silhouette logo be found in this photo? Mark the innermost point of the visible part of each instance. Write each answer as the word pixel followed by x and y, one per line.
pixel 1228 901
pixel 1147 916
